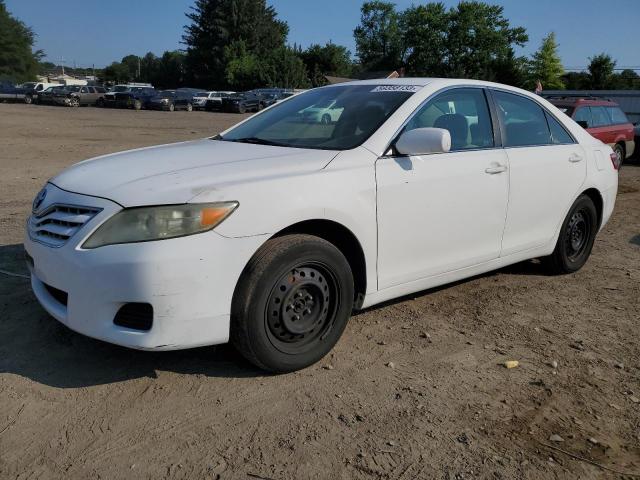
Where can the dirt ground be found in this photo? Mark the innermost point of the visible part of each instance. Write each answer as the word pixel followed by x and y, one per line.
pixel 72 407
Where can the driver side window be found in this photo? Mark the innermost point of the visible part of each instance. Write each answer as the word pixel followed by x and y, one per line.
pixel 463 112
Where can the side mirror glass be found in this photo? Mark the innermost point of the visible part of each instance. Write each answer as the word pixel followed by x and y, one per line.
pixel 422 141
pixel 583 123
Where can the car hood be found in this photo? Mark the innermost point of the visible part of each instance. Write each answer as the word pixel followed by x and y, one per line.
pixel 176 173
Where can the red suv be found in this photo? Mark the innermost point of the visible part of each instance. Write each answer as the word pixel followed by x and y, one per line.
pixel 603 119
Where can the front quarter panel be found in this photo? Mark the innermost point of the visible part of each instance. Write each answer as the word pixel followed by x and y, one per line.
pixel 342 192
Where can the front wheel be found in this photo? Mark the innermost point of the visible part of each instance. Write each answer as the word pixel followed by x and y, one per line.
pixel 74 102
pixel 576 238
pixel 28 99
pixel 189 107
pixel 292 303
pixel 137 104
pixel 172 107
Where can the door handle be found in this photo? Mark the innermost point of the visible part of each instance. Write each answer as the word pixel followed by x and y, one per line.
pixel 495 169
pixel 575 158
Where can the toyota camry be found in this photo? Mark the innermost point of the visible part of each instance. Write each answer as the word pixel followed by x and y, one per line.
pixel 270 234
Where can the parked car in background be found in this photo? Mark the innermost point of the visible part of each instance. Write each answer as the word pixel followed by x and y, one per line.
pixel 10 92
pixel 171 100
pixel 603 119
pixel 271 233
pixel 109 99
pixel 135 97
pixel 47 96
pixel 209 100
pixel 326 113
pixel 243 102
pixel 76 95
pixel 32 89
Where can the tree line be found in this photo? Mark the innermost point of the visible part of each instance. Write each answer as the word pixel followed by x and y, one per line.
pixel 242 44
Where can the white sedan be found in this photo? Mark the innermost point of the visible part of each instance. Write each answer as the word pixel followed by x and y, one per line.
pixel 271 233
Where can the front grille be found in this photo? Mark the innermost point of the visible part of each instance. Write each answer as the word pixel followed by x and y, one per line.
pixel 59 295
pixel 58 223
pixel 137 316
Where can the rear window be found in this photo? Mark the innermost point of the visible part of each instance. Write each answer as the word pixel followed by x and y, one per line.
pixel 600 116
pixel 617 115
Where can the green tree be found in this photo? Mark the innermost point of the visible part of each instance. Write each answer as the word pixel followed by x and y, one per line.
pixel 117 73
pixel 18 61
pixel 577 80
pixel 601 71
pixel 330 59
pixel 546 65
pixel 479 37
pixel 628 79
pixel 425 39
pixel 218 24
pixel 378 38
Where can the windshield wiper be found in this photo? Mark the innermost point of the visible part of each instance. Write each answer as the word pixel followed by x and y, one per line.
pixel 255 140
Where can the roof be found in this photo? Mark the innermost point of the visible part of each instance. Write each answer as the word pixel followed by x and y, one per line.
pixel 569 101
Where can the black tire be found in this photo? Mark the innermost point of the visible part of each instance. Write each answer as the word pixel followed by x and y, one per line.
pixel 100 102
pixel 242 109
pixel 576 238
pixel 619 151
pixel 292 303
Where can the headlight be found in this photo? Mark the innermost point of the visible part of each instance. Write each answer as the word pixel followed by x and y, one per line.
pixel 159 223
pixel 165 100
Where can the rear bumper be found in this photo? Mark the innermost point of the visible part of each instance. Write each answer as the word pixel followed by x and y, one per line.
pixel 629 148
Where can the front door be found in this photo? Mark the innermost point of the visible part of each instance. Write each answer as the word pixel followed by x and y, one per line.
pixel 443 212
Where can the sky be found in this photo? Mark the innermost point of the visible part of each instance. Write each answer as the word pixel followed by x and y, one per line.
pixel 88 32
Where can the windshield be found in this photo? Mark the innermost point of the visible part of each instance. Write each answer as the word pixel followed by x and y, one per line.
pixel 332 118
pixel 201 94
pixel 28 85
pixel 74 88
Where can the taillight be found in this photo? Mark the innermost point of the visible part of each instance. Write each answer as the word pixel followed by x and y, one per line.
pixel 615 160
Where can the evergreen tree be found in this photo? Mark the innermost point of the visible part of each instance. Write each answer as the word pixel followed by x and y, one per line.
pixel 546 65
pixel 218 26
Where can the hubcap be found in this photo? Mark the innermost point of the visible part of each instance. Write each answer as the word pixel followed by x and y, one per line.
pixel 301 307
pixel 577 234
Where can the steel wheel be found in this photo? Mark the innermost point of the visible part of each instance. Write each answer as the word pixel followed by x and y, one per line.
pixel 301 307
pixel 577 234
pixel 292 302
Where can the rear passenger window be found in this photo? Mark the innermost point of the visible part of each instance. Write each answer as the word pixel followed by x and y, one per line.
pixel 461 111
pixel 583 114
pixel 600 116
pixel 523 120
pixel 617 115
pixel 559 135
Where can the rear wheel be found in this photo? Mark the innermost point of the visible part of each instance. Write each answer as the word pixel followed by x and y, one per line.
pixel 242 109
pixel 292 303
pixel 576 238
pixel 137 104
pixel 28 99
pixel 100 102
pixel 619 151
pixel 189 107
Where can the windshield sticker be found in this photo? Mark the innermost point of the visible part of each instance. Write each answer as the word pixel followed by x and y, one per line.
pixel 397 88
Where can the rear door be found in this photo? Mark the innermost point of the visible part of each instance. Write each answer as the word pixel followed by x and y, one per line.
pixel 547 168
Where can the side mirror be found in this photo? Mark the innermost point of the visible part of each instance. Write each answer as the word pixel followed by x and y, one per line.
pixel 583 123
pixel 421 141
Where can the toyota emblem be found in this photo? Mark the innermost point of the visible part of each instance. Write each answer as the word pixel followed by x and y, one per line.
pixel 42 194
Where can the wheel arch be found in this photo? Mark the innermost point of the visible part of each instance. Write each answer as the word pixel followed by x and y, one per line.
pixel 596 197
pixel 345 241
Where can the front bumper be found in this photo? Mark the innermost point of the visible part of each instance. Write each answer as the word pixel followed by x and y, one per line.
pixel 188 281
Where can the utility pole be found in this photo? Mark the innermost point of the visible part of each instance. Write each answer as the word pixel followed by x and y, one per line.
pixel 138 68
pixel 62 64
